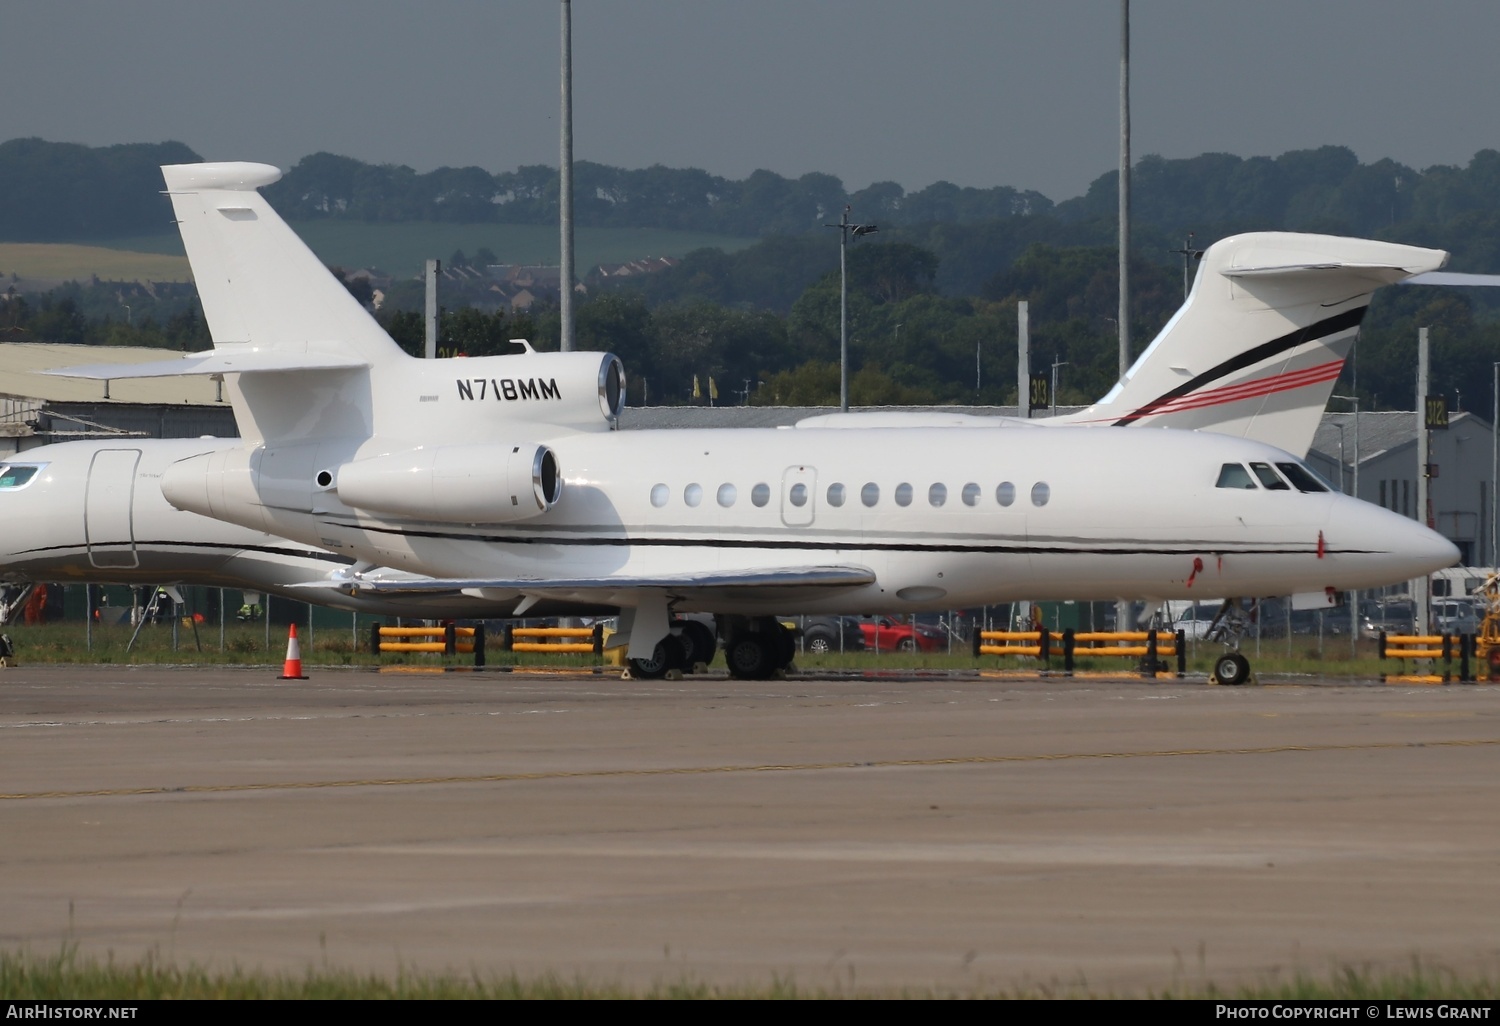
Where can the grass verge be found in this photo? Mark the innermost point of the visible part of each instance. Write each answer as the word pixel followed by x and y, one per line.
pixel 68 975
pixel 253 645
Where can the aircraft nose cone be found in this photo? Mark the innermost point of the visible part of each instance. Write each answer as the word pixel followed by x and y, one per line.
pixel 1419 549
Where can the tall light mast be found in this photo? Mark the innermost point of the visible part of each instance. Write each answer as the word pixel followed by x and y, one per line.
pixel 565 184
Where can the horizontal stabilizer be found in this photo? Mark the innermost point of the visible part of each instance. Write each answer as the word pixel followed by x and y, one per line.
pixel 1375 274
pixel 1453 278
pixel 777 577
pixel 217 361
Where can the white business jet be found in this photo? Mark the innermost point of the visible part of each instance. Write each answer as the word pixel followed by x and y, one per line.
pixel 502 478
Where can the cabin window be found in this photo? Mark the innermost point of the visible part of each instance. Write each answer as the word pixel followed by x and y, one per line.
pixel 1303 479
pixel 1233 475
pixel 659 495
pixel 17 475
pixel 1040 493
pixel 870 494
pixel 903 494
pixel 971 494
pixel 937 495
pixel 835 495
pixel 798 494
pixel 1269 478
pixel 692 494
pixel 1005 493
pixel 727 495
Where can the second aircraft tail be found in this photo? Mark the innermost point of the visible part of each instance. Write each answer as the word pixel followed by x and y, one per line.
pixel 1262 338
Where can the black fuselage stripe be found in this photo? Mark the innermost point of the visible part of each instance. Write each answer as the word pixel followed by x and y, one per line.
pixel 1249 358
pixel 270 550
pixel 1019 548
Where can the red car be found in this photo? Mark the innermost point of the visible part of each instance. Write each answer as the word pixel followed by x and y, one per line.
pixel 890 634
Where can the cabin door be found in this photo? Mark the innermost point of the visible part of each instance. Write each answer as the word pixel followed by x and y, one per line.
pixel 107 507
pixel 798 496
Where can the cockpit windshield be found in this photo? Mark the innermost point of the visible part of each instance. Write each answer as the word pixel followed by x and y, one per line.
pixel 1234 475
pixel 18 475
pixel 1303 478
pixel 1269 477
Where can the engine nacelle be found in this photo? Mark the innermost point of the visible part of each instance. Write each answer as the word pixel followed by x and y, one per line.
pixel 578 391
pixel 468 484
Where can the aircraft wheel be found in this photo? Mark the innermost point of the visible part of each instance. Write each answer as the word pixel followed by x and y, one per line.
pixel 786 646
pixel 1232 669
pixel 698 643
pixel 668 655
pixel 750 655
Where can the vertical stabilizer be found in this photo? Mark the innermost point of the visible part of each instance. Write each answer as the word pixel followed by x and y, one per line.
pixel 259 283
pixel 264 292
pixel 1262 338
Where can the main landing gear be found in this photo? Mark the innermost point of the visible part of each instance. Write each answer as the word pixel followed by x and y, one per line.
pixel 756 648
pixel 691 644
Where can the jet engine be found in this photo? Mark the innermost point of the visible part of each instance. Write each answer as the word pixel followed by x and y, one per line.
pixel 577 391
pixel 468 484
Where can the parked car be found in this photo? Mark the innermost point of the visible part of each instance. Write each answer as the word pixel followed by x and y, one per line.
pixel 821 634
pixel 1455 616
pixel 1395 617
pixel 1194 621
pixel 894 634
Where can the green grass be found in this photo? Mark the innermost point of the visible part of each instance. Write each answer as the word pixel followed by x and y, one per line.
pixel 63 262
pixel 400 247
pixel 246 644
pixel 71 976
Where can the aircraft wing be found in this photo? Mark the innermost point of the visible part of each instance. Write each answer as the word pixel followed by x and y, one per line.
pixel 607 589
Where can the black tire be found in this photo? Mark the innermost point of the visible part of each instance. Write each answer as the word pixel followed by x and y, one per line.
pixel 668 655
pixel 786 646
pixel 1232 669
pixel 699 644
pixel 751 655
pixel 906 645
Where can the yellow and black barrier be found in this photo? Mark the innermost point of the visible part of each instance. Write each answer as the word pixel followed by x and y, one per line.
pixel 1431 646
pixel 448 640
pixel 1037 644
pixel 556 640
pixel 1149 647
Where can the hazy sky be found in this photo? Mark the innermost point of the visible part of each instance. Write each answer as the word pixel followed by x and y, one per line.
pixel 977 92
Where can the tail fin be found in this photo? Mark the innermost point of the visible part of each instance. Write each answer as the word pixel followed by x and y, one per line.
pixel 278 317
pixel 259 283
pixel 1258 345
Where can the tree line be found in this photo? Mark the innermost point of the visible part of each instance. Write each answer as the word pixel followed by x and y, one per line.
pixel 53 191
pixel 932 302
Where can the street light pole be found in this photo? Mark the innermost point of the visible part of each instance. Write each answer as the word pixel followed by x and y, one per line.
pixel 846 229
pixel 1494 468
pixel 1354 596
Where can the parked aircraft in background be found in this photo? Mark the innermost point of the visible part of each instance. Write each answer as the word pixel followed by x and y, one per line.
pixel 501 478
pixel 91 511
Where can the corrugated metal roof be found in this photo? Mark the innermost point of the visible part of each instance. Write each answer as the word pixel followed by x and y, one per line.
pixel 1379 433
pixel 21 364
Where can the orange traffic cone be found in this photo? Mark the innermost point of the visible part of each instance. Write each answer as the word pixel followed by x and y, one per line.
pixel 293 668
